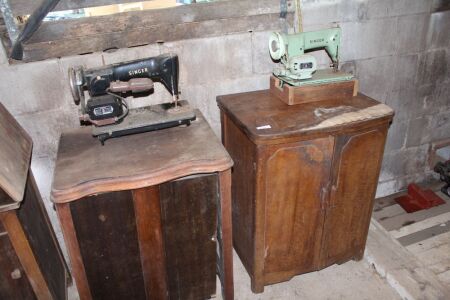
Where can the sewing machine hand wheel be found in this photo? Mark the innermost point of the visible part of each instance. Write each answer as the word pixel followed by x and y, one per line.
pixel 76 84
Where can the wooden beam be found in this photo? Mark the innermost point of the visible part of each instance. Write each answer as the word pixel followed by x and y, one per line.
pixel 26 7
pixel 142 36
pixel 129 21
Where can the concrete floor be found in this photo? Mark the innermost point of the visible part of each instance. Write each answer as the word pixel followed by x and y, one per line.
pixel 352 280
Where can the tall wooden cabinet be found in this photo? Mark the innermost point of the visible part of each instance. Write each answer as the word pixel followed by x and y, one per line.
pixel 303 182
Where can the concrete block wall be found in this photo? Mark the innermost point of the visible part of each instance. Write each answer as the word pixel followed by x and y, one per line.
pixel 398 49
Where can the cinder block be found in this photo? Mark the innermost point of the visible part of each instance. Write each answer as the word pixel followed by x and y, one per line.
pixel 375 76
pixel 412 33
pixel 438 34
pixel 390 187
pixel 408 102
pixel 203 96
pixel 261 61
pixel 32 87
pixel 403 71
pixel 405 162
pixel 331 11
pixel 126 54
pixel 212 60
pixel 439 100
pixel 440 126
pixel 419 132
pixel 389 8
pixel 45 129
pixel 374 38
pixel 432 67
pixel 396 135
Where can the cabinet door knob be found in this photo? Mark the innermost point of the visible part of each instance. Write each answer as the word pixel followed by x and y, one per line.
pixel 16 274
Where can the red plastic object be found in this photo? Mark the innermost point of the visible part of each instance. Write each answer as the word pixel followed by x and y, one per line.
pixel 418 199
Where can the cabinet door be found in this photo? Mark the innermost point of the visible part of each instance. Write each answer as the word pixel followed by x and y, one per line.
pixel 356 167
pixel 295 184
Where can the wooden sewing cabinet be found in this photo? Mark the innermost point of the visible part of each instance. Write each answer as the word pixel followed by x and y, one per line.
pixel 146 216
pixel 303 182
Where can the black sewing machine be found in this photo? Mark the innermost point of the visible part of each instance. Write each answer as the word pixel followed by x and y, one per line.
pixel 443 169
pixel 107 108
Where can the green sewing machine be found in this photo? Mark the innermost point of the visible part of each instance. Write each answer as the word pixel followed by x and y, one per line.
pixel 298 68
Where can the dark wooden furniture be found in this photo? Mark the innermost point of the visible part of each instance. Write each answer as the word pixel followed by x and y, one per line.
pixel 31 262
pixel 303 182
pixel 142 215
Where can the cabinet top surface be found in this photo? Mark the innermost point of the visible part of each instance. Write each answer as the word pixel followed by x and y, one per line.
pixel 15 156
pixel 85 167
pixel 264 117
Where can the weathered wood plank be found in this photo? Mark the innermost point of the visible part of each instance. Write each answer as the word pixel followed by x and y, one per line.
pixel 430 243
pixel 388 212
pixel 106 231
pixel 86 35
pixel 397 222
pixel 15 156
pixel 147 209
pixel 189 218
pixel 26 7
pixel 427 223
pixel 143 36
pixel 423 235
pixel 51 31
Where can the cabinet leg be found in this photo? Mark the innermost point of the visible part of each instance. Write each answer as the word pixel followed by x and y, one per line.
pixel 225 235
pixel 257 286
pixel 359 255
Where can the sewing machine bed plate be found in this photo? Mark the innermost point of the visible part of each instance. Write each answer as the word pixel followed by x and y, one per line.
pixel 148 118
pixel 322 76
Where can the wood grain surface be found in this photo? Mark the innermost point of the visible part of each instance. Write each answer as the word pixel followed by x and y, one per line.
pixel 302 199
pixel 267 120
pixel 39 232
pixel 130 29
pixel 106 230
pixel 189 217
pixel 293 95
pixel 355 176
pixel 147 209
pixel 85 167
pixel 15 156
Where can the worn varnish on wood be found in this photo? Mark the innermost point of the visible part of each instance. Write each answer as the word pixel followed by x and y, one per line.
pixel 311 93
pixel 31 262
pixel 141 214
pixel 304 180
pixel 136 28
pixel 15 157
